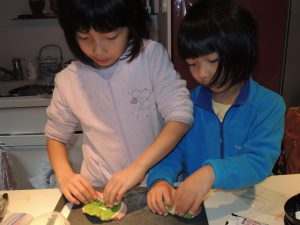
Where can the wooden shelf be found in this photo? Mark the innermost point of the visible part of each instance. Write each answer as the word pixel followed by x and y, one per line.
pixel 33 17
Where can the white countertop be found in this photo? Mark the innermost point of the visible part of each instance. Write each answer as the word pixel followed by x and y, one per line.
pixel 276 190
pixel 6 86
pixel 20 101
pixel 267 206
pixel 34 202
pixel 25 101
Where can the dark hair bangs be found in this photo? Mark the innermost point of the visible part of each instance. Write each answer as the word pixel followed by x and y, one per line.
pixel 196 38
pixel 193 46
pixel 103 16
pixel 223 27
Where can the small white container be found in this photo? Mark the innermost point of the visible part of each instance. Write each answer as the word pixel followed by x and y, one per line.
pixel 53 218
pixel 31 70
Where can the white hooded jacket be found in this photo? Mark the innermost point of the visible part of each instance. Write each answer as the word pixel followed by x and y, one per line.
pixel 121 109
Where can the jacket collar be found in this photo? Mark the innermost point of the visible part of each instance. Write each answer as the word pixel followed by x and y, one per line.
pixel 204 99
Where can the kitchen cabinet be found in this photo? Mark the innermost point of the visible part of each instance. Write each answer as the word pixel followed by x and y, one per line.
pixel 22 122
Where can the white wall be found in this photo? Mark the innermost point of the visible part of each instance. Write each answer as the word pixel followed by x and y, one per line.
pixel 291 83
pixel 24 38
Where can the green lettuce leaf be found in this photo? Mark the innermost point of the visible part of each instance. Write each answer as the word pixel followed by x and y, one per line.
pixel 171 210
pixel 99 209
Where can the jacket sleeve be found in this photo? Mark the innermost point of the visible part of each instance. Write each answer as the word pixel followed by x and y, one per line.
pixel 167 169
pixel 170 92
pixel 260 151
pixel 61 122
pixel 171 166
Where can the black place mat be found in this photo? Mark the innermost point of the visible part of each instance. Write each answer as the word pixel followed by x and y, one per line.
pixel 137 215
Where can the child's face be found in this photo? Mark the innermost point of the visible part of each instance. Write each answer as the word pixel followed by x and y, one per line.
pixel 203 69
pixel 103 48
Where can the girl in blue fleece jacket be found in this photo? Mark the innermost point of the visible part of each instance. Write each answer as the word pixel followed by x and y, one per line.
pixel 238 124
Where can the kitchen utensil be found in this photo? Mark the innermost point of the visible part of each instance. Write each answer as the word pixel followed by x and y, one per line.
pixel 51 218
pixel 16 73
pixel 49 62
pixel 17 218
pixel 8 182
pixel 292 206
pixel 55 217
pixel 3 205
pixel 17 68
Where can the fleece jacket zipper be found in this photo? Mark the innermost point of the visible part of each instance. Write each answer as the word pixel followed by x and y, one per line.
pixel 119 120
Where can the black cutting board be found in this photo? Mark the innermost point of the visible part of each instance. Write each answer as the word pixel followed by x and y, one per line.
pixel 137 214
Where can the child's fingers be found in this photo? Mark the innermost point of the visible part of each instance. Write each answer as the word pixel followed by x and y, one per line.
pixel 196 208
pixel 183 204
pixel 167 201
pixel 149 203
pixel 179 199
pixel 106 194
pixel 75 193
pixel 152 203
pixel 172 193
pixel 182 207
pixel 89 191
pixel 161 206
pixel 168 198
pixel 120 194
pixel 81 192
pixel 71 198
pixel 110 193
pixel 156 206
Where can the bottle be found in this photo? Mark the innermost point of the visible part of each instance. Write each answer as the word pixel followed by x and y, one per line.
pixel 17 68
pixel 31 70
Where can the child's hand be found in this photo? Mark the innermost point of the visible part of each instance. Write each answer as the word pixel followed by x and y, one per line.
pixel 77 189
pixel 190 194
pixel 160 194
pixel 121 182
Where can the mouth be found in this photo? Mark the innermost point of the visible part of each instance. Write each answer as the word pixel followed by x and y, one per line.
pixel 101 62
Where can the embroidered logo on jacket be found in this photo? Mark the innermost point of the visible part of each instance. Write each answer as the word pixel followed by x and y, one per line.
pixel 140 97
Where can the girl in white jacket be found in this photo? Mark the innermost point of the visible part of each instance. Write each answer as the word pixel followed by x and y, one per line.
pixel 124 92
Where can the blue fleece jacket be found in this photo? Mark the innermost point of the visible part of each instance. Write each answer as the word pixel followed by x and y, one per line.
pixel 242 149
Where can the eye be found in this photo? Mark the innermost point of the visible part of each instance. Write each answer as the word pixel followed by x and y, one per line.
pixel 111 36
pixel 191 64
pixel 212 57
pixel 82 36
pixel 213 60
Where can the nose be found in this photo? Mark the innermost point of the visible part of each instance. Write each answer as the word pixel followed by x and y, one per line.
pixel 99 48
pixel 202 72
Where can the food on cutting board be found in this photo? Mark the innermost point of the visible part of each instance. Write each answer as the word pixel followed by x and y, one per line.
pixel 171 210
pixel 98 209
